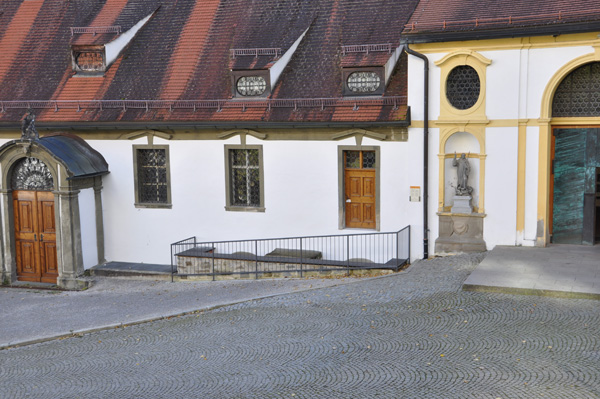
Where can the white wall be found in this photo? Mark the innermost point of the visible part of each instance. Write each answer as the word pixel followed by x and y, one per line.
pixel 543 64
pixel 515 83
pixel 300 185
pixel 501 166
pixel 87 216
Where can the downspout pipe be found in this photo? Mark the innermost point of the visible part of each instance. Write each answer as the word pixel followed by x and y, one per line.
pixel 425 147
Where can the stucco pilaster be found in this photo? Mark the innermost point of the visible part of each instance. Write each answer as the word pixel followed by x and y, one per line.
pixel 7 258
pixel 99 220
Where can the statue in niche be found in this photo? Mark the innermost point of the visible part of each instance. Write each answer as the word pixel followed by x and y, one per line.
pixel 28 130
pixel 462 172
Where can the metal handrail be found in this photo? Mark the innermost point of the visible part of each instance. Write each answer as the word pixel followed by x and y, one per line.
pixel 300 237
pixel 367 48
pixel 202 104
pixel 301 254
pixel 95 29
pixel 508 20
pixel 237 52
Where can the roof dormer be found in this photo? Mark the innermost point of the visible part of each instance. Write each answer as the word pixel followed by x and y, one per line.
pixel 367 68
pixel 95 48
pixel 255 71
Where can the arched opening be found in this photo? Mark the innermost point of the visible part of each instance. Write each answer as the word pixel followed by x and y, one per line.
pixel 34 221
pixel 575 154
pixel 40 183
pixel 457 144
pixel 462 169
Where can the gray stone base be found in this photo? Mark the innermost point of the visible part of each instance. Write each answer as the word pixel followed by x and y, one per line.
pixel 460 233
pixel 73 284
pixel 462 204
pixel 5 277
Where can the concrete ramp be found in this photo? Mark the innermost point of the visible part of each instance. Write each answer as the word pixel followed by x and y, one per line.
pixel 568 271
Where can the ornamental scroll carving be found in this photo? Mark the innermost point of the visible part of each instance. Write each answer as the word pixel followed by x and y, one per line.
pixel 31 174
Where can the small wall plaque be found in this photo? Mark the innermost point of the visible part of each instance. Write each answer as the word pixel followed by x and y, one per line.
pixel 415 194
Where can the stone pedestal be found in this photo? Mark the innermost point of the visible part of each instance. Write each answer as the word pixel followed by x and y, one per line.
pixel 460 233
pixel 462 204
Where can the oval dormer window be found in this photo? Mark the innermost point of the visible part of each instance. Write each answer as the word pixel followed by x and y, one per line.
pixel 251 85
pixel 363 82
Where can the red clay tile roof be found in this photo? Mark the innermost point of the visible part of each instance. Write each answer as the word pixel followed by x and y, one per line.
pixel 479 15
pixel 181 59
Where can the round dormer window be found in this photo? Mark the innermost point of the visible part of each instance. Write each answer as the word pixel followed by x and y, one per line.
pixel 251 85
pixel 363 82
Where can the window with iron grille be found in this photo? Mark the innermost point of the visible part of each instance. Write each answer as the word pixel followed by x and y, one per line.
pixel 463 87
pixel 579 93
pixel 244 178
pixel 152 182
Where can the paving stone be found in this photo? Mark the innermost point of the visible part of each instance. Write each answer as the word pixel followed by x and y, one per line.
pixel 410 335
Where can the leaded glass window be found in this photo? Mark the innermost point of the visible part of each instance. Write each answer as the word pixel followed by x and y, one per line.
pixel 463 87
pixel 579 93
pixel 245 177
pixel 152 175
pixel 249 86
pixel 360 159
pixel 364 82
pixel 31 174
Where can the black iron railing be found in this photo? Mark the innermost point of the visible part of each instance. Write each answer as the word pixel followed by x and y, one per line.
pixel 297 255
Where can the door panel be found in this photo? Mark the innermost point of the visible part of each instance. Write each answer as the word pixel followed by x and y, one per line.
pixel 35 236
pixel 360 198
pixel 26 261
pixel 48 262
pixel 369 214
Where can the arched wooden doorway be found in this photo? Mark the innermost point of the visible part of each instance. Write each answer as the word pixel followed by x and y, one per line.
pixel 34 221
pixel 40 182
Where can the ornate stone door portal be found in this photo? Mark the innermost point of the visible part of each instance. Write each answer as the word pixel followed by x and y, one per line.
pixel 40 222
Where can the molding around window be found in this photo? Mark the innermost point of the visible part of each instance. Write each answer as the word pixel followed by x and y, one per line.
pixel 237 208
pixel 156 205
pixel 463 58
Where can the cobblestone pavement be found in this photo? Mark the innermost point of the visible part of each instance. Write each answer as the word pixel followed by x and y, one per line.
pixel 410 335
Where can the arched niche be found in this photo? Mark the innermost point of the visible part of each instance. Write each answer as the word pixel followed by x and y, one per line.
pixel 455 144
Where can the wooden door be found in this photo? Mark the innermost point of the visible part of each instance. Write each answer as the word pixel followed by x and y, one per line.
pixel 360 190
pixel 35 236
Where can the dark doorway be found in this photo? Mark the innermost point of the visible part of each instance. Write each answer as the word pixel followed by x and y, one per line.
pixel 575 165
pixel 598 205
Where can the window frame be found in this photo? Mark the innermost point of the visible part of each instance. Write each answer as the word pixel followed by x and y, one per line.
pixel 155 205
pixel 237 74
pixel 76 50
pixel 229 189
pixel 346 72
